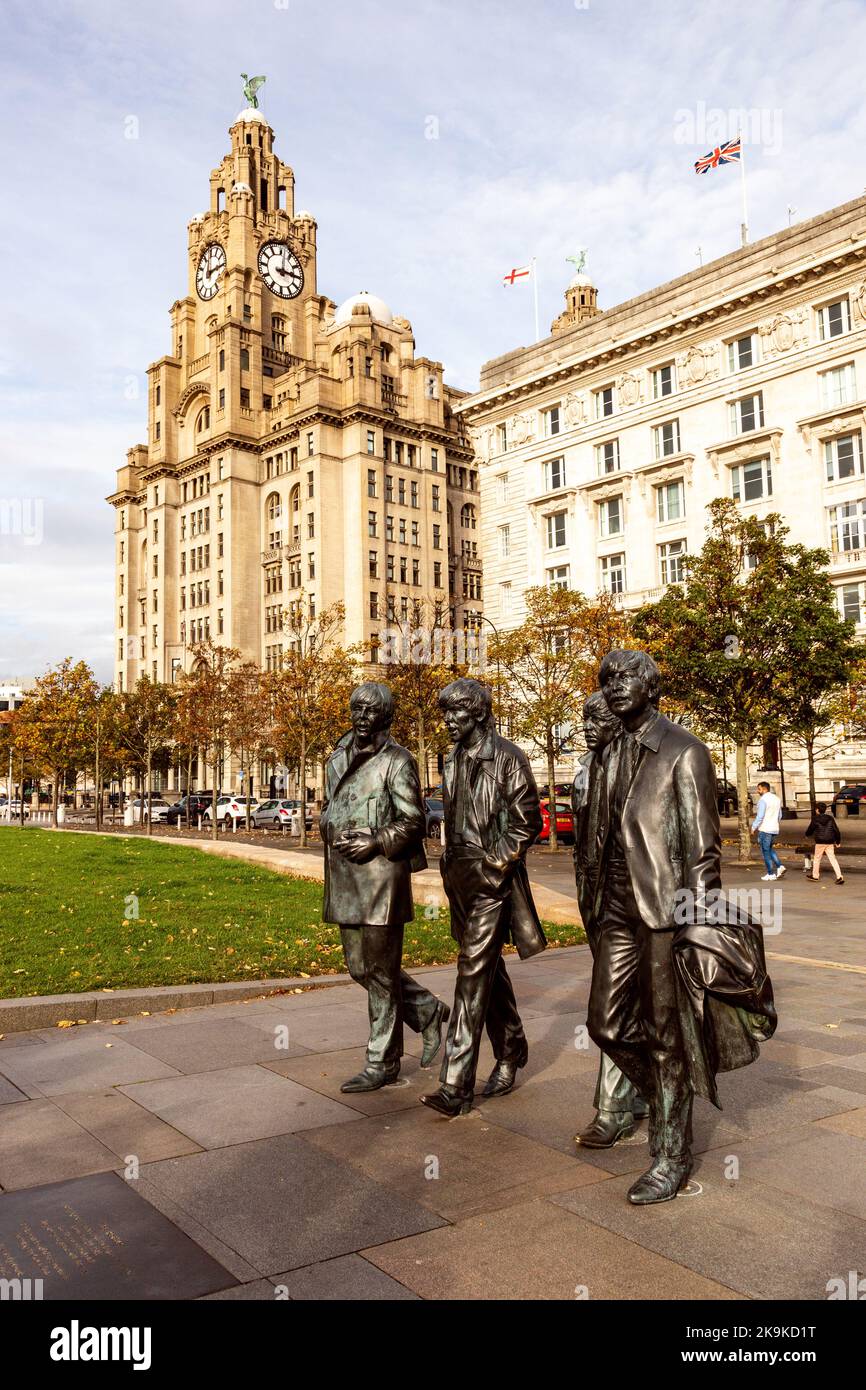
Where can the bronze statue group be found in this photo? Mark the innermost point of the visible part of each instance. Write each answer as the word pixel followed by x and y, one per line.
pixel 679 984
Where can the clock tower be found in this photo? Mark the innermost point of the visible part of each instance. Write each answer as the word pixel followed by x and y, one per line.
pixel 299 454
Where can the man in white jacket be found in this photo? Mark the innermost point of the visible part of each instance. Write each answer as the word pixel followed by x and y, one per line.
pixel 766 823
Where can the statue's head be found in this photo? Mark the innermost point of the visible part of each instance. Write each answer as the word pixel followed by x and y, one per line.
pixel 371 706
pixel 630 681
pixel 600 726
pixel 466 705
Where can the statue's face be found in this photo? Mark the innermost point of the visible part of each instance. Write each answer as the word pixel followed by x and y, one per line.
pixel 368 717
pixel 459 721
pixel 598 731
pixel 625 691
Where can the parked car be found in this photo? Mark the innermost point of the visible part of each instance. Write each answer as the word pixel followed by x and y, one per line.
pixel 726 791
pixel 11 810
pixel 564 822
pixel 198 804
pixel 559 789
pixel 230 809
pixel 434 811
pixel 278 813
pixel 159 809
pixel 850 797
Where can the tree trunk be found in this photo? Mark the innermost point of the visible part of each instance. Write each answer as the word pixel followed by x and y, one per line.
pixel 810 757
pixel 55 796
pixel 745 842
pixel 188 785
pixel 98 777
pixel 248 788
pixel 214 834
pixel 302 790
pixel 149 795
pixel 551 796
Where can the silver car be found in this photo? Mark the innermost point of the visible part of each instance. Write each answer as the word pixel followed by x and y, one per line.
pixel 278 813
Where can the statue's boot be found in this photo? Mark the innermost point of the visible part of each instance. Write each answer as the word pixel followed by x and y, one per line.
pixel 607 1127
pixel 448 1102
pixel 503 1076
pixel 431 1036
pixel 661 1182
pixel 372 1078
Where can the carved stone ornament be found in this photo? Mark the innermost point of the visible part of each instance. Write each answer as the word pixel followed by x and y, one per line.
pixel 521 428
pixel 629 388
pixel 574 410
pixel 860 303
pixel 694 367
pixel 840 424
pixel 784 332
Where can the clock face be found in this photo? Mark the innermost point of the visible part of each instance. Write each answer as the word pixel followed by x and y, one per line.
pixel 211 265
pixel 281 270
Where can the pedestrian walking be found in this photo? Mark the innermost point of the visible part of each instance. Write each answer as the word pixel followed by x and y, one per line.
pixel 822 828
pixel 766 823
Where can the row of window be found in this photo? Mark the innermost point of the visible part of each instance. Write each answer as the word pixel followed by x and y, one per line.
pixel 831 321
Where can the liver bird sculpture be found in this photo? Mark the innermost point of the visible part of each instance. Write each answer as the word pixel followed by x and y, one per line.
pixel 251 86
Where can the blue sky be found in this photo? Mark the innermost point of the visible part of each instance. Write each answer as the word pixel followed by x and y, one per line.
pixel 560 125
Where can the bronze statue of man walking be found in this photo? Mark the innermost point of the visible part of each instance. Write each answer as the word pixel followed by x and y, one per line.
pixel 373 826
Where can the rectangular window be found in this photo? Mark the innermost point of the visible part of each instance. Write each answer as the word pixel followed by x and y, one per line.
pixel 613 574
pixel 843 457
pixel 416 533
pixel 157 430
pixel 372 524
pixel 371 441
pixel 434 460
pixel 551 419
pixel 838 386
pixel 603 402
pixel 554 474
pixel 850 604
pixel 747 413
pixel 389 527
pixel 437 574
pixel 559 577
pixel 504 542
pixel 413 494
pixel 310 447
pixel 607 457
pixel 834 319
pixel 374 605
pixel 671 501
pixel 502 437
pixel 663 381
pixel 245 398
pixel 502 488
pixel 310 485
pixel 437 537
pixel 742 353
pixel 373 564
pixel 750 482
pixel 435 497
pixel 245 359
pixel 671 566
pixel 610 517
pixel 667 438
pixel 371 483
pixel 505 600
pixel 416 571
pixel 848 526
pixel 556 530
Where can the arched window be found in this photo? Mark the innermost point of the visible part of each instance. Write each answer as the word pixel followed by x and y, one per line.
pixel 274 507
pixel 203 421
pixel 278 332
pixel 467 516
pixel 274 510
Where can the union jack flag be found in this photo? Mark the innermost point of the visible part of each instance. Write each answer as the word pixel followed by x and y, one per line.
pixel 722 154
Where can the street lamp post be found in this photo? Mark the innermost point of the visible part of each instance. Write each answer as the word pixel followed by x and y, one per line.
pixel 485 619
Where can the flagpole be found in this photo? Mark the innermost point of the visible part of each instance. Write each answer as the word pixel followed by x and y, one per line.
pixel 535 295
pixel 744 230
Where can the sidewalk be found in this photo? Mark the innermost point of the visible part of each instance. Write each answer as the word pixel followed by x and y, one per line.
pixel 210 1153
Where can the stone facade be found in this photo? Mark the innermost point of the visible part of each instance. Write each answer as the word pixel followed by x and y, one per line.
pixel 600 447
pixel 298 453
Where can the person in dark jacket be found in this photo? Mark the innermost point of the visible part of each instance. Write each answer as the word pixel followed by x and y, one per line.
pixel 491 816
pixel 825 832
pixel 372 825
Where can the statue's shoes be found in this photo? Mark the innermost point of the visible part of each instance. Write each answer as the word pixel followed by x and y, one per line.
pixel 661 1182
pixel 503 1076
pixel 607 1127
pixel 371 1079
pixel 447 1102
pixel 431 1036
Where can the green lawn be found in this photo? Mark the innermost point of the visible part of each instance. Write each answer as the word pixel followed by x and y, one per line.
pixel 68 923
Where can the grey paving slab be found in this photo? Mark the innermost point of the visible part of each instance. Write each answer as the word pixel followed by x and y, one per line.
pixel 348 1277
pixel 330 1030
pixel 454 1167
pixel 836 1041
pixel 213 1045
pixel 127 1129
pixel 81 1063
pixel 325 1071
pixel 18 1040
pixel 745 1234
pixel 844 1078
pixel 239 1268
pixel 281 1203
pixel 537 1251
pixel 40 1144
pixel 850 1122
pixel 9 1094
pixel 259 1291
pixel 96 1238
pixel 233 1106
pixel 817 1164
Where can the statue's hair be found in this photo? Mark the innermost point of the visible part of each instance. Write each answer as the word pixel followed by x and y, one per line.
pixel 597 704
pixel 474 696
pixel 381 694
pixel 636 663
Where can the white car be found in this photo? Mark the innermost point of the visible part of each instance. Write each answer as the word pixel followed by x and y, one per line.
pixel 230 810
pixel 278 813
pixel 158 809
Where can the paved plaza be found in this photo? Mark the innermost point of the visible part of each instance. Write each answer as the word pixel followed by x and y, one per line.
pixel 208 1152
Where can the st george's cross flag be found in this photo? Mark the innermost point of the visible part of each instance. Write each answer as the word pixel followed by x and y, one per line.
pixel 521 272
pixel 722 154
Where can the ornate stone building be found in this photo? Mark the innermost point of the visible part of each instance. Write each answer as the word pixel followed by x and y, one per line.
pixel 601 446
pixel 298 453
